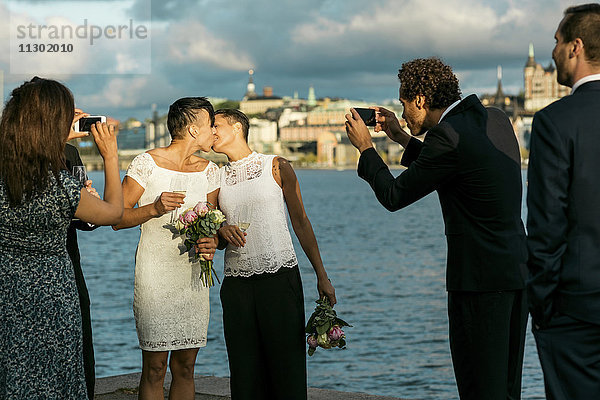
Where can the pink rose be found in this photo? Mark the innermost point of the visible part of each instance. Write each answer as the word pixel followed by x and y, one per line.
pixel 201 209
pixel 312 341
pixel 190 217
pixel 335 333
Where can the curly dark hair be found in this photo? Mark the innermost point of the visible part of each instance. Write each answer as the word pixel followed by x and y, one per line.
pixel 431 78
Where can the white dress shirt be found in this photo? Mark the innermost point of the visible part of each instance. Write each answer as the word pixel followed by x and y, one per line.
pixel 585 79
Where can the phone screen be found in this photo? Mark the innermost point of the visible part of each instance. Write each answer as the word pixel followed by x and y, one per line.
pixel 85 124
pixel 367 115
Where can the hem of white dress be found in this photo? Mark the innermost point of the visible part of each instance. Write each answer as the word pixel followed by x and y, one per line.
pixel 174 348
pixel 247 274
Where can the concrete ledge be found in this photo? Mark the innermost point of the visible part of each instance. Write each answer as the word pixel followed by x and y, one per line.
pixel 124 387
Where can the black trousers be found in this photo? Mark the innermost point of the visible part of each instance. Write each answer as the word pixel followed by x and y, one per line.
pixel 263 320
pixel 487 340
pixel 569 352
pixel 86 322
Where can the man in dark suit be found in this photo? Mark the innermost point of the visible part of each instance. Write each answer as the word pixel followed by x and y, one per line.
pixel 72 159
pixel 470 156
pixel 563 221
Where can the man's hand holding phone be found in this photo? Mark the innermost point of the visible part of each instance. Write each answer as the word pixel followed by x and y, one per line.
pixel 388 123
pixel 368 115
pixel 357 131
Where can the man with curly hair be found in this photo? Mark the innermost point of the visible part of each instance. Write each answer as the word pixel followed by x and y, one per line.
pixel 470 156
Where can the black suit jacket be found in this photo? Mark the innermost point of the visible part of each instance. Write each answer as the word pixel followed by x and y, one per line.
pixel 563 203
pixel 471 158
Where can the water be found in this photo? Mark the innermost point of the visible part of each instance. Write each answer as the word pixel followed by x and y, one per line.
pixel 388 270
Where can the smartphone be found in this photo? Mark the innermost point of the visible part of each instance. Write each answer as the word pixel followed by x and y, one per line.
pixel 85 123
pixel 367 115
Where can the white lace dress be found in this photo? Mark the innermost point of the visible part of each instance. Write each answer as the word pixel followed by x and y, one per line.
pixel 249 193
pixel 170 303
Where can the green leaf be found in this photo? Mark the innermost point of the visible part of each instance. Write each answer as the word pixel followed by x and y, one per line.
pixel 310 323
pixel 321 329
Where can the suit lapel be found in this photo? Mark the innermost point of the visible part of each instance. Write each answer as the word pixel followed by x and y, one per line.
pixel 466 103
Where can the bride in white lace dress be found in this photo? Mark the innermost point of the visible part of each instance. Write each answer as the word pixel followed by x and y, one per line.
pixel 171 305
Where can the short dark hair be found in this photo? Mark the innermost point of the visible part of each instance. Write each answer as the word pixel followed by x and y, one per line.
pixel 431 78
pixel 184 111
pixel 583 22
pixel 232 116
pixel 34 128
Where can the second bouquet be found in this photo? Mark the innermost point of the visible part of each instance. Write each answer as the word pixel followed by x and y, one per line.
pixel 199 222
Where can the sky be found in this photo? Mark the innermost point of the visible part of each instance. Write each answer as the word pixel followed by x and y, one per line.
pixel 343 48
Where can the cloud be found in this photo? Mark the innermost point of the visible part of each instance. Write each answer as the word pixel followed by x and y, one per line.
pixel 344 48
pixel 190 42
pixel 457 30
pixel 123 93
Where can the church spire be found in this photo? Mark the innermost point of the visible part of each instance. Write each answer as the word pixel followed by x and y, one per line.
pixel 250 93
pixel 531 58
pixel 312 100
pixel 499 100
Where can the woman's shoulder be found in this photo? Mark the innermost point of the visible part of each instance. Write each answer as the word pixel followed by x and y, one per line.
pixel 144 157
pixel 141 167
pixel 279 160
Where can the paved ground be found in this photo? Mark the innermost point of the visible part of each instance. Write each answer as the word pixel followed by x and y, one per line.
pixel 124 387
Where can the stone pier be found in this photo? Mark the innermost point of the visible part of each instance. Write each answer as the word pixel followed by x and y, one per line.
pixel 124 387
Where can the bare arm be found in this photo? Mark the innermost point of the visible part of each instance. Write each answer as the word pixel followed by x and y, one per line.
pixel 132 191
pixel 286 178
pixel 110 210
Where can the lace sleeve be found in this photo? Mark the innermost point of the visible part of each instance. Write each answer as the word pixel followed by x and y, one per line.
pixel 213 174
pixel 140 169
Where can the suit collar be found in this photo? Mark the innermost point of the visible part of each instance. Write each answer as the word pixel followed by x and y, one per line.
pixel 584 80
pixel 468 102
pixel 450 107
pixel 591 85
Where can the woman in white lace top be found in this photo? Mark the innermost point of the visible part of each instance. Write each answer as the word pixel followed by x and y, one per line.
pixel 261 294
pixel 171 305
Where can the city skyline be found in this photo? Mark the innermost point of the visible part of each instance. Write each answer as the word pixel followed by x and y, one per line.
pixel 342 48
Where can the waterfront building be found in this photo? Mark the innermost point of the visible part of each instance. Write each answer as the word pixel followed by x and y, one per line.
pixel 292 116
pixel 512 105
pixel 253 104
pixel 262 135
pixel 541 87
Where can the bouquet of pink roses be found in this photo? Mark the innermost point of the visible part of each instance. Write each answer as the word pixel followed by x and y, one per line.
pixel 324 328
pixel 199 222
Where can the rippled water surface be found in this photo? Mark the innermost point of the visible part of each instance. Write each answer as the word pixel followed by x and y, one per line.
pixel 388 270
